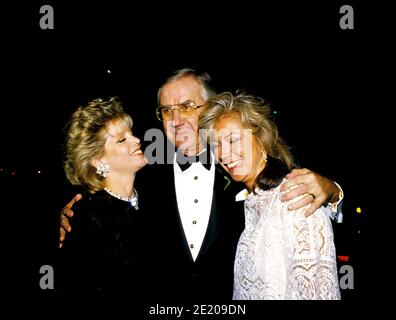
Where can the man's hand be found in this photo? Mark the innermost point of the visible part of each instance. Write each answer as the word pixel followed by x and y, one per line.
pixel 317 190
pixel 66 213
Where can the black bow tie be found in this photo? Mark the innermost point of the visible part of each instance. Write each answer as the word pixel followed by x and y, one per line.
pixel 185 162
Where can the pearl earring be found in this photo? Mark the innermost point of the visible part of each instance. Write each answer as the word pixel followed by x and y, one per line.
pixel 103 169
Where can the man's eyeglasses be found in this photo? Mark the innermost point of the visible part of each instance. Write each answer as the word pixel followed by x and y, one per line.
pixel 185 109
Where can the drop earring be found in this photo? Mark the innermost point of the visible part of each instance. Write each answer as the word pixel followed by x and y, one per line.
pixel 264 156
pixel 103 168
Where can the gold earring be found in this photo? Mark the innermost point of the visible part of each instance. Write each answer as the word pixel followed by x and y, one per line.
pixel 264 156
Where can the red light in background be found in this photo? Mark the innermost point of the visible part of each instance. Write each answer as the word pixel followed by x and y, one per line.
pixel 343 258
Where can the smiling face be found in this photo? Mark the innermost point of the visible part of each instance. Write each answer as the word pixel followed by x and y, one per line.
pixel 237 150
pixel 122 150
pixel 183 133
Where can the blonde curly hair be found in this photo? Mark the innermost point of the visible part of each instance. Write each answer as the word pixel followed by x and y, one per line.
pixel 255 114
pixel 85 140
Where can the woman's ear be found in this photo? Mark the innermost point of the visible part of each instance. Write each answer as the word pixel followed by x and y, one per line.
pixel 95 163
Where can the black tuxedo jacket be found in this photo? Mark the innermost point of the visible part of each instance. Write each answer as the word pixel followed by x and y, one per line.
pixel 172 274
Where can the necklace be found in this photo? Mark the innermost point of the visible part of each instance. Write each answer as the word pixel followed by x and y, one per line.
pixel 133 200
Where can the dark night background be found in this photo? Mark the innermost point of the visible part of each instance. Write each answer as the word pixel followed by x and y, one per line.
pixel 292 54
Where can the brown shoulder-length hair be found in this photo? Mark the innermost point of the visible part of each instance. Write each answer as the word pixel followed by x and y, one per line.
pixel 255 114
pixel 85 140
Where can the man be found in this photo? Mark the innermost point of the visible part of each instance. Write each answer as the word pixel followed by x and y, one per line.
pixel 194 222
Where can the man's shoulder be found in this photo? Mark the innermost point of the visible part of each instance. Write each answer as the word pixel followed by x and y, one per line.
pixel 153 174
pixel 155 169
pixel 155 184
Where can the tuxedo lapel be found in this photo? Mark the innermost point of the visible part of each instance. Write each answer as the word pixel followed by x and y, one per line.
pixel 175 230
pixel 173 224
pixel 212 230
pixel 220 183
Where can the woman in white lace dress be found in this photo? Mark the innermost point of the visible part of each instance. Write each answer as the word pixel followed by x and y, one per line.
pixel 281 254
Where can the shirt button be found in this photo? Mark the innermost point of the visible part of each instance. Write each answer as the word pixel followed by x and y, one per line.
pixel 196 178
pixel 191 246
pixel 194 222
pixel 196 200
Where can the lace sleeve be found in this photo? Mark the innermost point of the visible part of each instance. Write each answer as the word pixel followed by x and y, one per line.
pixel 313 267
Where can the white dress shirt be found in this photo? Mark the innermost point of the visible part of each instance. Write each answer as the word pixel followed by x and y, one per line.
pixel 194 192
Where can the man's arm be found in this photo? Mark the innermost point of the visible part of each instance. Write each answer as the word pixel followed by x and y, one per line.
pixel 318 190
pixel 66 213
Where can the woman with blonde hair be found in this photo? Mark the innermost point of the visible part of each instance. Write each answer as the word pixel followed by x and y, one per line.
pixel 281 254
pixel 103 156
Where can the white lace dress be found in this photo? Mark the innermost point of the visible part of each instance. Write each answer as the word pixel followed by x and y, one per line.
pixel 282 254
